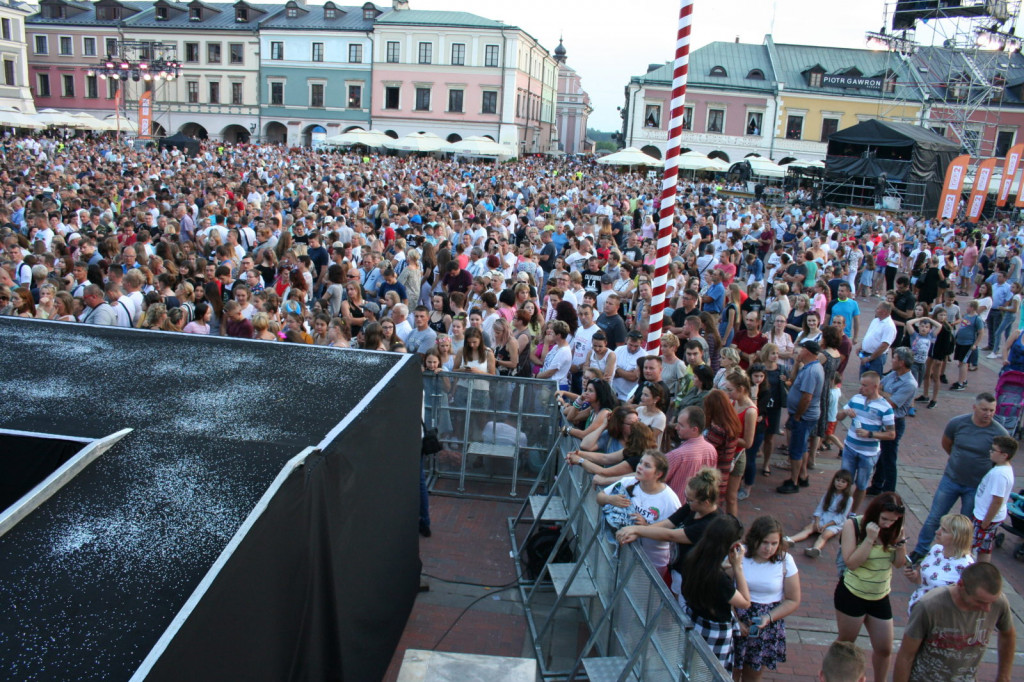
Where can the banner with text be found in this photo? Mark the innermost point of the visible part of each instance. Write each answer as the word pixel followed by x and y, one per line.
pixel 952 186
pixel 1009 170
pixel 146 115
pixel 979 192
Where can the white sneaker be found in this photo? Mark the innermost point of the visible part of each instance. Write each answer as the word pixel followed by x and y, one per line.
pixel 992 356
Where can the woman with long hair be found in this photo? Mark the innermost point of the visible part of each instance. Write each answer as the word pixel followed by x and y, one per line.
pixel 731 314
pixel 440 319
pixel 724 433
pixel 938 356
pixel 872 546
pixel 709 332
pixel 600 400
pixel 737 387
pixel 611 466
pixel 795 321
pixel 653 403
pixel 783 341
pixel 373 337
pixel 352 309
pixel 22 303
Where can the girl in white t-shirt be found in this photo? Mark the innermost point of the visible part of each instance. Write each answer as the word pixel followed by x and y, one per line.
pixel 649 500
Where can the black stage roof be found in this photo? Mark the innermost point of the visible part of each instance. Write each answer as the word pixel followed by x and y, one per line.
pixel 93 577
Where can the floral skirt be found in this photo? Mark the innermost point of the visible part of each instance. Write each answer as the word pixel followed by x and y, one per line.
pixel 768 648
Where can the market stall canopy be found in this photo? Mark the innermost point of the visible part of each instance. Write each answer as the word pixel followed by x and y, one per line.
pixel 804 164
pixel 366 138
pixel 716 165
pixel 630 156
pixel 126 126
pixel 88 121
pixel 416 142
pixel 57 119
pixel 765 167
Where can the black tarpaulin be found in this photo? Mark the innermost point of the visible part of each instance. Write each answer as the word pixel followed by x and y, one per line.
pixel 178 141
pixel 26 461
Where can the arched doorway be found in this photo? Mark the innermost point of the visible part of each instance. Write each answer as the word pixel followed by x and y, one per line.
pixel 314 135
pixel 453 138
pixel 392 134
pixel 275 133
pixel 651 150
pixel 235 134
pixel 193 130
pixel 158 130
pixel 351 128
pixel 718 154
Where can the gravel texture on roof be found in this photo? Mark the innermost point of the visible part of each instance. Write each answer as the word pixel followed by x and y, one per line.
pixel 91 579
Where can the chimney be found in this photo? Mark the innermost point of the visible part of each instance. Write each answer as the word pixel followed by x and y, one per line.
pixel 737 39
pixel 399 4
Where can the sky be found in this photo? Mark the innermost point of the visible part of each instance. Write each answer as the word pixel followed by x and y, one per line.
pixel 608 42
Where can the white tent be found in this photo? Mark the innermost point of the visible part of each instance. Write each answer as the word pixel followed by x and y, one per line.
pixel 716 165
pixel 127 125
pixel 57 119
pixel 694 161
pixel 416 142
pixel 804 164
pixel 765 167
pixel 480 146
pixel 630 156
pixel 16 119
pixel 366 138
pixel 88 121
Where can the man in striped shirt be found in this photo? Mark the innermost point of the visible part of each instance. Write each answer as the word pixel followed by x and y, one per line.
pixel 873 420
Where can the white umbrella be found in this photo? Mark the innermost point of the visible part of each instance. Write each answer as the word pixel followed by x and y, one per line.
pixel 366 138
pixel 127 125
pixel 57 119
pixel 16 119
pixel 804 164
pixel 630 156
pixel 764 167
pixel 416 142
pixel 693 161
pixel 716 165
pixel 88 121
pixel 479 146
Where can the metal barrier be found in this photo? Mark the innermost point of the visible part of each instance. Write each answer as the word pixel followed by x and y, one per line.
pixel 495 430
pixel 636 629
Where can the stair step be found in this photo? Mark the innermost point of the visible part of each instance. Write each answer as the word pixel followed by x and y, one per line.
pixel 555 510
pixel 582 585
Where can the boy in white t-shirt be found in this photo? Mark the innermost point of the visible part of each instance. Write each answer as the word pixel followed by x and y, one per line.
pixel 993 492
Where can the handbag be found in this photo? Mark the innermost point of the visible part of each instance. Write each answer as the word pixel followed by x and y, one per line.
pixel 431 443
pixel 618 517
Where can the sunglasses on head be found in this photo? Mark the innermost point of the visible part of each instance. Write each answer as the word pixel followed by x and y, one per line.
pixel 893 507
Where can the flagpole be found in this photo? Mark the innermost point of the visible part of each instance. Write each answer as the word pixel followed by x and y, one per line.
pixel 671 177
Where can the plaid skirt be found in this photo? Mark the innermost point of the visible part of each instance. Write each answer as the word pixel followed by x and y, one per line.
pixel 718 636
pixel 767 649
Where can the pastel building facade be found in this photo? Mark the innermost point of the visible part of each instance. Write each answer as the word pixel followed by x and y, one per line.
pixel 15 86
pixel 572 109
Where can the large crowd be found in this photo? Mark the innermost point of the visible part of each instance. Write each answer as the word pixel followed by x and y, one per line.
pixel 543 268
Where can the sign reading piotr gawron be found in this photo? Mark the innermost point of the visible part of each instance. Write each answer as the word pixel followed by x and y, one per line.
pixel 851 82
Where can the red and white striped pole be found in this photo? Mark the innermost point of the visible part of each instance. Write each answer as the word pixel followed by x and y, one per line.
pixel 671 176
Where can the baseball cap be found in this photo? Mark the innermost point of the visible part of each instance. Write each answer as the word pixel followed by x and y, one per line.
pixel 812 346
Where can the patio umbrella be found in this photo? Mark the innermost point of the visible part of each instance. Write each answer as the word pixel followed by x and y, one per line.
pixel 88 121
pixel 715 165
pixel 630 156
pixel 416 142
pixel 366 138
pixel 16 119
pixel 693 161
pixel 764 167
pixel 479 146
pixel 57 119
pixel 127 125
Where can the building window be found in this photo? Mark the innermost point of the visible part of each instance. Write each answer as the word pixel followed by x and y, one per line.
pixel 355 54
pixel 1004 140
pixel 112 86
pixel 214 92
pixel 42 45
pixel 236 93
pixel 89 47
pixel 458 54
pixel 491 55
pixel 67 85
pixel 369 14
pixel 92 90
pixel 64 46
pixel 687 118
pixel 55 12
pixel 652 116
pixel 292 12
pixel 719 72
pixel 316 95
pixel 754 121
pixel 794 127
pixel 277 50
pixel 426 53
pixel 43 85
pixel 939 130
pixel 5 29
pixel 161 14
pixel 236 52
pixel 755 75
pixel 391 96
pixel 422 99
pixel 193 92
pixel 393 52
pixel 828 126
pixel 107 13
pixel 277 93
pixel 318 52
pixel 213 53
pixel 716 120
pixel 195 14
pixel 111 46
pixel 9 77
pixel 330 12
pixel 490 102
pixel 814 79
pixel 455 101
pixel 191 53
pixel 355 97
pixel 889 85
pixel 241 14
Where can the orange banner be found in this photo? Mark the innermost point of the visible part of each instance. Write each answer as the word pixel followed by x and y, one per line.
pixel 952 186
pixel 1009 170
pixel 145 115
pixel 979 192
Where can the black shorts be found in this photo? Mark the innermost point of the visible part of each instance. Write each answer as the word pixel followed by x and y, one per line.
pixel 848 603
pixel 961 352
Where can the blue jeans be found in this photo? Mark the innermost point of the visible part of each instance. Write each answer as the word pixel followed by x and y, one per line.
pixel 945 497
pixel 1002 332
pixel 799 430
pixel 884 479
pixel 995 317
pixel 876 365
pixel 750 473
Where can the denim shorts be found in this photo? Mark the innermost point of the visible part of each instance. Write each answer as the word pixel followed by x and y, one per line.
pixel 860 466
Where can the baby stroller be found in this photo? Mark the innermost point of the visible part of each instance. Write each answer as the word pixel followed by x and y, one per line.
pixel 1014 523
pixel 1010 402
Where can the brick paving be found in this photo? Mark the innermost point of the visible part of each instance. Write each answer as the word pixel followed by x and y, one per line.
pixel 470 544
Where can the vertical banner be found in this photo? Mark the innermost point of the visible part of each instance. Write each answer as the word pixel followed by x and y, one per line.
pixel 1009 170
pixel 145 115
pixel 117 108
pixel 979 193
pixel 670 179
pixel 952 186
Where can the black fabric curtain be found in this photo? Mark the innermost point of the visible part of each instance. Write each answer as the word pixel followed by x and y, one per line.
pixel 26 461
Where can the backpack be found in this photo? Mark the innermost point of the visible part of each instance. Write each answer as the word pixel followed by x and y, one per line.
pixel 538 547
pixel 840 562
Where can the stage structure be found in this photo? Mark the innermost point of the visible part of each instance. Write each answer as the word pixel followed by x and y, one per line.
pixel 887 165
pixel 253 516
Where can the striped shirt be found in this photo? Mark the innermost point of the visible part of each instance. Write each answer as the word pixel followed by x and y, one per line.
pixel 870 415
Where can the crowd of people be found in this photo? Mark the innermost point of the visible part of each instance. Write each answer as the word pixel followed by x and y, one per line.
pixel 543 268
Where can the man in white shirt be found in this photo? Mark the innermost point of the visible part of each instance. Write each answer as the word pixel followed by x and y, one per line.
pixel 626 372
pixel 879 337
pixel 123 306
pixel 582 343
pixel 400 316
pixel 558 360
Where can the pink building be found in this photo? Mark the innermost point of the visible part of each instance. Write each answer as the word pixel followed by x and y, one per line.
pixel 573 108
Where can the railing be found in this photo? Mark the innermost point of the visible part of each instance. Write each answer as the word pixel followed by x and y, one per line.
pixel 496 431
pixel 635 629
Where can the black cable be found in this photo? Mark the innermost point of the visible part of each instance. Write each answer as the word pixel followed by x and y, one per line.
pixel 463 582
pixel 465 611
